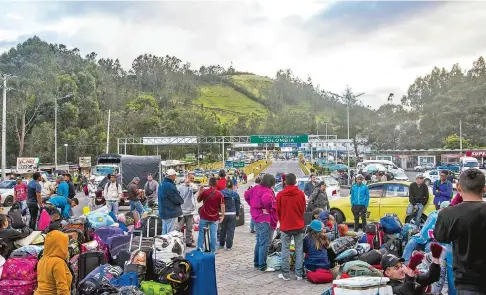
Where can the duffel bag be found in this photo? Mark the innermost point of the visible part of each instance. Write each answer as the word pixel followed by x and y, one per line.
pixel 320 276
pixel 342 244
pixel 274 260
pixel 154 288
pixel 360 268
pixel 372 257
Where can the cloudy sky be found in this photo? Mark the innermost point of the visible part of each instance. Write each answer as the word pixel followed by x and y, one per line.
pixel 374 47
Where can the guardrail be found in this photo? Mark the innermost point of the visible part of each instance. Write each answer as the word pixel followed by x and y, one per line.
pixel 304 168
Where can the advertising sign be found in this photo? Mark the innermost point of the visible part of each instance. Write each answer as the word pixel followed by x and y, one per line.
pixel 84 162
pixel 476 154
pixel 25 165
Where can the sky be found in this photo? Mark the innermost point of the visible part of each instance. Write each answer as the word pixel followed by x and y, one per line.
pixel 376 48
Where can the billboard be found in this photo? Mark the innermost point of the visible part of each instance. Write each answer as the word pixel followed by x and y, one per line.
pixel 84 162
pixel 25 165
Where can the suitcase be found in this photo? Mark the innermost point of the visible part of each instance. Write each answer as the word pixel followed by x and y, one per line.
pixel 203 273
pixel 151 226
pixel 88 261
pixel 17 287
pixel 143 245
pixel 241 220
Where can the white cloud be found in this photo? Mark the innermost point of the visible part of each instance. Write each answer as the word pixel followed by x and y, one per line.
pixel 264 36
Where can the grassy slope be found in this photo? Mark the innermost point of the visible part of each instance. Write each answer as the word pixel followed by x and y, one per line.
pixel 228 103
pixel 255 84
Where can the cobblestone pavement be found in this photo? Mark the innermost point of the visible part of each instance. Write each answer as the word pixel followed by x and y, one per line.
pixel 236 275
pixel 234 268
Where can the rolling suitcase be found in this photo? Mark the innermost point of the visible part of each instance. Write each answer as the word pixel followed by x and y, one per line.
pixel 144 244
pixel 88 261
pixel 241 216
pixel 203 271
pixel 151 226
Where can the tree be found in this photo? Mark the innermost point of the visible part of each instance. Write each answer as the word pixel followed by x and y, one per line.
pixel 453 142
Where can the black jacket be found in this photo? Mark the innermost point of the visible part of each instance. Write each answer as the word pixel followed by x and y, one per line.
pixel 416 285
pixel 319 199
pixel 418 195
pixel 9 236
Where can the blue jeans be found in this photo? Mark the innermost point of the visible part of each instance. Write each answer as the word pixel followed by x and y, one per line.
pixel 136 205
pixel 228 227
pixel 450 274
pixel 169 225
pixel 418 214
pixel 412 245
pixel 213 228
pixel 252 225
pixel 299 254
pixel 261 245
pixel 113 207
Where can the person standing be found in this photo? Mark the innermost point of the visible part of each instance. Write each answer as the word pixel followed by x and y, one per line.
pixel 62 187
pixel 186 190
pixel 47 190
pixel 232 212
pixel 309 186
pixel 213 202
pixel 360 198
pixel 170 202
pixel 150 188
pixel 290 210
pixel 134 193
pixel 92 189
pixel 247 195
pixel 418 197
pixel 34 198
pixel 221 184
pixel 72 191
pixel 318 198
pixel 20 193
pixel 113 192
pixel 463 225
pixel 442 189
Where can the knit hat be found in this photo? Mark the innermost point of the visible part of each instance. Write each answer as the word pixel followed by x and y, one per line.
pixel 316 225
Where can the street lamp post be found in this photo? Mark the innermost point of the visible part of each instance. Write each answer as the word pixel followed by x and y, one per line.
pixel 66 146
pixel 4 77
pixel 55 127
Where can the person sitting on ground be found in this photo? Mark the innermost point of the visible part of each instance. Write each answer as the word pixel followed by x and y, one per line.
pixel 318 198
pixel 315 213
pixel 403 280
pixel 56 221
pixel 316 243
pixel 232 213
pixel 9 235
pixel 53 274
pixel 422 239
pixel 64 205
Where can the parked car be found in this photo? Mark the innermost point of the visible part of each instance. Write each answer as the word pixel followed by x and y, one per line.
pixel 399 175
pixel 423 167
pixel 451 167
pixel 385 197
pixel 333 189
pixel 7 192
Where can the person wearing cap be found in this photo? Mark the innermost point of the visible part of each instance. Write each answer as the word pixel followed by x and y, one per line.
pixel 360 198
pixel 316 243
pixel 404 280
pixel 418 197
pixel 92 189
pixel 170 202
pixel 112 193
pixel 134 193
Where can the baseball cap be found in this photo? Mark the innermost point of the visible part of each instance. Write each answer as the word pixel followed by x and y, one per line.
pixel 171 172
pixel 316 225
pixel 389 260
pixel 420 175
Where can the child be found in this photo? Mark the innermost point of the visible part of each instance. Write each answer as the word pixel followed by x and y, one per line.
pixel 315 213
pixel 315 246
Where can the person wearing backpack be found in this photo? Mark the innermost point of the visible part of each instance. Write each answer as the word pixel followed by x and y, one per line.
pixel 316 243
pixel 232 211
pixel 360 198
pixel 53 274
pixel 150 188
pixel 442 189
pixel 112 193
pixel 403 280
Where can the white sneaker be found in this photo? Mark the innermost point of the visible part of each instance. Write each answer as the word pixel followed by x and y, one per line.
pixel 269 269
pixel 299 278
pixel 282 277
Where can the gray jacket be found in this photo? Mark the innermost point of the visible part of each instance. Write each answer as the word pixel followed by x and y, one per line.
pixel 319 198
pixel 187 193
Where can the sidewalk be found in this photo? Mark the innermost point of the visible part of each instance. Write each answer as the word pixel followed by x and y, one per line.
pixel 236 275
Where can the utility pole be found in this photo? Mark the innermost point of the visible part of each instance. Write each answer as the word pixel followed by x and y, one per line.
pixel 460 135
pixel 4 77
pixel 55 127
pixel 108 133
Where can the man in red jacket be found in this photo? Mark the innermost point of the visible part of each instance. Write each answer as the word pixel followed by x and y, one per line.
pixel 290 211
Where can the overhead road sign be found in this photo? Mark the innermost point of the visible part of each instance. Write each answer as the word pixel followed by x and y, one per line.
pixel 304 138
pixel 291 145
pixel 238 164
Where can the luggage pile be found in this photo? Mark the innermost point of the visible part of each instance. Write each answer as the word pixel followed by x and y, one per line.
pixel 106 258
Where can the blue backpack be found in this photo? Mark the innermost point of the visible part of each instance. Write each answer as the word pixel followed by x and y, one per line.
pixel 126 279
pixel 391 225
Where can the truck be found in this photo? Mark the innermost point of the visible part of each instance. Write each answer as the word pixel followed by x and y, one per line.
pixel 467 163
pixel 126 167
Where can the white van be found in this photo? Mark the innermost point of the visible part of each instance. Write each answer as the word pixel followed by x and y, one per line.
pixel 468 163
pixel 388 164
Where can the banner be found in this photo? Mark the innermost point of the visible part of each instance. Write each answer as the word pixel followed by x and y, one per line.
pixel 25 165
pixel 84 162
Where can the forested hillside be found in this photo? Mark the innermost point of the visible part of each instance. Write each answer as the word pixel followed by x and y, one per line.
pixel 164 96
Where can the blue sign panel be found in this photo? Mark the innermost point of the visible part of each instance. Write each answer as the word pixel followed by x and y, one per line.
pixel 289 144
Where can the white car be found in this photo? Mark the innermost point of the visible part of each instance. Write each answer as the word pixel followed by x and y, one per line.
pixel 333 190
pixel 7 192
pixel 399 175
pixel 431 176
pixel 424 167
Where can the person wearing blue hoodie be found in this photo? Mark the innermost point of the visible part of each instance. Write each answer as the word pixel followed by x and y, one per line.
pixel 232 205
pixel 62 187
pixel 64 205
pixel 360 198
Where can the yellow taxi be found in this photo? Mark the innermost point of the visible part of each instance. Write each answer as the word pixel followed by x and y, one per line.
pixel 385 197
pixel 200 178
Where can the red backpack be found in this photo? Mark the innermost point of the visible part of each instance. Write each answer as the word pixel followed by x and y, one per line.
pixel 320 276
pixel 374 235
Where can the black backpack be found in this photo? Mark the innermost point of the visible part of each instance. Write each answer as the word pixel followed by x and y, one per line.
pixel 178 275
pixel 14 216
